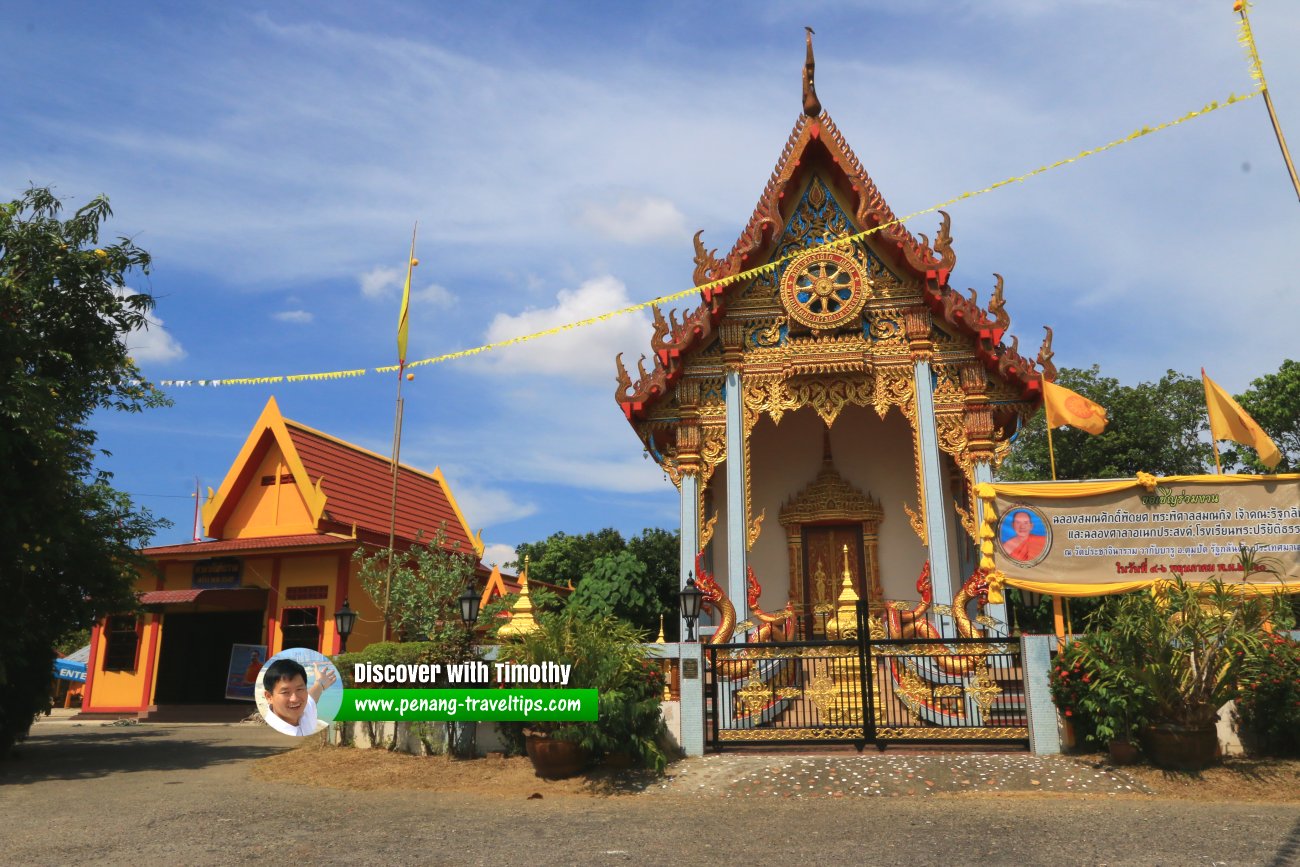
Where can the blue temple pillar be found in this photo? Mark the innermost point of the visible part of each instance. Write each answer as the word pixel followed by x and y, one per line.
pixel 689 490
pixel 942 563
pixel 737 519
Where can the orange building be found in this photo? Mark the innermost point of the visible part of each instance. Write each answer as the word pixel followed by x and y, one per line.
pixel 284 524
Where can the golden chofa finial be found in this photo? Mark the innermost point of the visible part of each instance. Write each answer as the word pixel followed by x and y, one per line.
pixel 811 106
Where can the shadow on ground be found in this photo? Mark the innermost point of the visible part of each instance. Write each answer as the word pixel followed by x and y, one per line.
pixel 111 750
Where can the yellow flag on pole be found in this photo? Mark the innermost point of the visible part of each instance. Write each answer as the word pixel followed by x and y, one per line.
pixel 1065 407
pixel 403 317
pixel 1228 421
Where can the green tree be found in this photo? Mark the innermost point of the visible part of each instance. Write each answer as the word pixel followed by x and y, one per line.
pixel 424 598
pixel 659 550
pixel 561 558
pixel 1273 401
pixel 1154 427
pixel 616 585
pixel 67 538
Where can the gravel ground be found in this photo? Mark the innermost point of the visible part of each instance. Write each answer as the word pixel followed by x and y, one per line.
pixel 194 794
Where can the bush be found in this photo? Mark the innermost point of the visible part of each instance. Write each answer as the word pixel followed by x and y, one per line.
pixel 1268 699
pixel 606 655
pixel 1071 678
pixel 1093 684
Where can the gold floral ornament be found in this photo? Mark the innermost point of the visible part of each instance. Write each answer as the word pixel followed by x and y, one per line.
pixel 1147 481
pixel 824 289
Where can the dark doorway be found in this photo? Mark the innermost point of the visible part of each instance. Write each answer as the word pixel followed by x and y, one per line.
pixel 196 654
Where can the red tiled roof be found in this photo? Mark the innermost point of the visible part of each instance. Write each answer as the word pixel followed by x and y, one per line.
pixel 203 549
pixel 359 488
pixel 175 597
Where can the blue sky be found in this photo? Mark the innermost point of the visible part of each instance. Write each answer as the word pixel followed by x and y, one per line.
pixel 273 157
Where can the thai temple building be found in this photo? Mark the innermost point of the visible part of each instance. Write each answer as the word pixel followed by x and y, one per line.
pixel 276 565
pixel 834 408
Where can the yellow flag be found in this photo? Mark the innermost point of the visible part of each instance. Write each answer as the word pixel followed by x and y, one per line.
pixel 1064 407
pixel 403 320
pixel 1228 421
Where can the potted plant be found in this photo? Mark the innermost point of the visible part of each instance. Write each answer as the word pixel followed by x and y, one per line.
pixel 1115 700
pixel 1184 646
pixel 606 654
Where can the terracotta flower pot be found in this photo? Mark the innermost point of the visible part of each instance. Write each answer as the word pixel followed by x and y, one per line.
pixel 1181 748
pixel 553 759
pixel 1123 752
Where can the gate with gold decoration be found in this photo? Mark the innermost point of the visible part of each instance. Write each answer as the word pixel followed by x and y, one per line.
pixel 864 688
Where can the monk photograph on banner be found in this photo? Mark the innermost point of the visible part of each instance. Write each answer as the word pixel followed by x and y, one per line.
pixel 1024 535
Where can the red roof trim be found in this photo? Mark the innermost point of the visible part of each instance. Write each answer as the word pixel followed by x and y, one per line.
pixel 203 549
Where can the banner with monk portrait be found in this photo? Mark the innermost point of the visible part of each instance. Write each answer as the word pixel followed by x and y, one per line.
pixel 1090 538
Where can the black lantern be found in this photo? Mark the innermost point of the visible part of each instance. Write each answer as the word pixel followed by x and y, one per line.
pixel 469 602
pixel 691 598
pixel 344 619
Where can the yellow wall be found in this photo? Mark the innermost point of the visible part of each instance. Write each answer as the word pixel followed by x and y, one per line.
pixel 269 510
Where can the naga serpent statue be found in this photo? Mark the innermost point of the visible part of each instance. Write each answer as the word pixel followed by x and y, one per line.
pixel 775 627
pixel 913 623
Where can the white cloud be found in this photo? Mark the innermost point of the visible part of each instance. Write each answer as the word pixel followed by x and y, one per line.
pixel 496 554
pixel 435 295
pixel 152 342
pixel 488 507
pixel 298 317
pixel 376 282
pixel 584 353
pixel 635 219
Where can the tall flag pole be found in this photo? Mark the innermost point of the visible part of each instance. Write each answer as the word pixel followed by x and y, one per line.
pixel 1228 421
pixel 1257 72
pixel 403 329
pixel 1051 452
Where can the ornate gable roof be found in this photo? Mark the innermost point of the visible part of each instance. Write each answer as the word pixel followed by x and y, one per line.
pixel 817 147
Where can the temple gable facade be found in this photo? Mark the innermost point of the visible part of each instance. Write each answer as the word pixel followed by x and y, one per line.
pixel 832 401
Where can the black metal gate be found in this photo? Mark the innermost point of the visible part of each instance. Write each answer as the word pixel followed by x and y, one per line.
pixel 866 689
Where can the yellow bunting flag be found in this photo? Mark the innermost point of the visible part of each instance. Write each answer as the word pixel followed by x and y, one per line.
pixel 1064 407
pixel 403 318
pixel 1228 421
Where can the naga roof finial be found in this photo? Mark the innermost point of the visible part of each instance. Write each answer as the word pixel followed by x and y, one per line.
pixel 811 106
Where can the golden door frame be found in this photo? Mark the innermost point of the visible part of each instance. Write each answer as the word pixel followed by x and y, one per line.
pixel 830 501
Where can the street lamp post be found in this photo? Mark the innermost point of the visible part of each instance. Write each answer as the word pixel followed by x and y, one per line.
pixel 463 733
pixel 691 598
pixel 344 619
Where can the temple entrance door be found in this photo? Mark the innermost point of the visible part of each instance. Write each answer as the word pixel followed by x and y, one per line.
pixel 823 571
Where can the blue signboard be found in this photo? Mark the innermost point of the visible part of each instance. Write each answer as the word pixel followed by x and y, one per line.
pixel 218 573
pixel 67 669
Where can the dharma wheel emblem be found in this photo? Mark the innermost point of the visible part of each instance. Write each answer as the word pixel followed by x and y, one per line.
pixel 824 289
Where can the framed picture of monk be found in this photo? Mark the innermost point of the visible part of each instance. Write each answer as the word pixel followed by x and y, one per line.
pixel 1024 535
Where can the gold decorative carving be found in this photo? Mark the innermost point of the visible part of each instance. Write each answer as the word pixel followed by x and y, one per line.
pixel 755 527
pixel 824 289
pixel 815 356
pixel 917 321
pixel 706 532
pixel 830 498
pixel 817 734
pixel 895 386
pixel 917 522
pixel 1045 354
pixel 939 733
pixel 967 522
